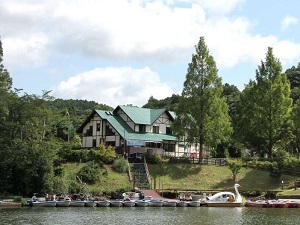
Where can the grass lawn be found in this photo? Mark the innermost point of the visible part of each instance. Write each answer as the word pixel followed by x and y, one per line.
pixel 108 180
pixel 188 176
pixel 210 177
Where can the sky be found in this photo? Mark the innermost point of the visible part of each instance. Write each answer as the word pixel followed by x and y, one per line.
pixel 119 52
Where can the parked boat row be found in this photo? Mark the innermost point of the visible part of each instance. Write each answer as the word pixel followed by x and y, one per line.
pixel 273 204
pixel 137 199
pixel 116 203
pixel 165 203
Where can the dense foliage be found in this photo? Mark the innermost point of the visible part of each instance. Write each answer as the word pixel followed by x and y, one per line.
pixel 265 108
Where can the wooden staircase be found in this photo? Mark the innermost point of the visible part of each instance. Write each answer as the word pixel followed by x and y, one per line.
pixel 141 176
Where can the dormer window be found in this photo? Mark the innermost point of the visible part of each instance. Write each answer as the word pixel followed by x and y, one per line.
pixel 156 129
pixel 142 128
pixel 168 131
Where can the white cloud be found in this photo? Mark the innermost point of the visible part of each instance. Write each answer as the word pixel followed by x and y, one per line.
pixel 114 86
pixel 130 30
pixel 288 21
pixel 220 7
pixel 77 34
pixel 30 52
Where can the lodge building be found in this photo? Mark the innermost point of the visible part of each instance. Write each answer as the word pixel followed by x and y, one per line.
pixel 134 130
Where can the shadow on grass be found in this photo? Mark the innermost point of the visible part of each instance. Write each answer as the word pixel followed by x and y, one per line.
pixel 175 171
pixel 252 180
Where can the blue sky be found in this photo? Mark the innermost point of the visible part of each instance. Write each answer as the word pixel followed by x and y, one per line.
pixel 124 51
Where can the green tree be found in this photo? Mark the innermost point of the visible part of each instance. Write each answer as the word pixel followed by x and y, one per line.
pixel 168 103
pixel 202 112
pixel 296 127
pixel 293 75
pixel 5 79
pixel 235 167
pixel 265 107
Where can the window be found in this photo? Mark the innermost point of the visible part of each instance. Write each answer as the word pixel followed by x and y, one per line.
pixel 156 129
pixel 89 131
pixel 110 143
pixel 169 147
pixel 94 143
pixel 168 130
pixel 109 131
pixel 142 128
pixel 98 126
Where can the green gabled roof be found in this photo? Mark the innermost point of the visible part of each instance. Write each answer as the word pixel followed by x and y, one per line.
pixel 142 115
pixel 172 114
pixel 126 132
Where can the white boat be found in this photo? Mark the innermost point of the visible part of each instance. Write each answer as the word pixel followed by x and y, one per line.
pixel 50 203
pixel 156 203
pixel 37 203
pixel 182 204
pixel 34 201
pixel 103 203
pixel 64 202
pixel 194 203
pixel 90 203
pixel 116 203
pixel 129 203
pixel 78 203
pixel 142 203
pixel 170 203
pixel 225 199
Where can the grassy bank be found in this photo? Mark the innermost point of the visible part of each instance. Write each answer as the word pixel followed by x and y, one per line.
pixel 190 176
pixel 108 180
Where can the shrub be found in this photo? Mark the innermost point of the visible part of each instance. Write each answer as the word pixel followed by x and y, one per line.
pixel 120 165
pixel 275 171
pixel 74 187
pixel 106 154
pixel 156 159
pixel 89 173
pixel 59 171
pixel 175 160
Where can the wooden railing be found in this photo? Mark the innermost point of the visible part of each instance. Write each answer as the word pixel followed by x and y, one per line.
pixel 147 172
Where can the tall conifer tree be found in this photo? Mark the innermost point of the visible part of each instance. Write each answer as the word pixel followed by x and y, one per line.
pixel 265 107
pixel 202 114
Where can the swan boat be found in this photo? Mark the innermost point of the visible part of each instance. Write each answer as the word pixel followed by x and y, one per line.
pixel 225 199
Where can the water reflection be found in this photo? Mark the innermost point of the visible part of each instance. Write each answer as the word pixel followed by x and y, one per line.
pixel 148 215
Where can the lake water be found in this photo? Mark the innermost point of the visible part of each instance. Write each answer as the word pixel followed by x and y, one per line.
pixel 149 215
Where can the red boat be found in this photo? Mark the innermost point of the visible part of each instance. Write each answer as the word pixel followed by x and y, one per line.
pixel 266 204
pixel 292 204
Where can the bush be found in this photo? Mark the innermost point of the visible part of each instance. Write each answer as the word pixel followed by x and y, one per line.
pixel 106 154
pixel 74 187
pixel 175 160
pixel 156 159
pixel 89 173
pixel 275 171
pixel 81 155
pixel 120 165
pixel 59 171
pixel 18 199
